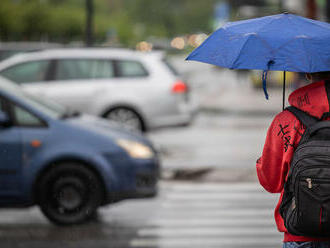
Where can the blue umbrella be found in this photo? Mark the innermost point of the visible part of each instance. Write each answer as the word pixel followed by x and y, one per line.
pixel 283 42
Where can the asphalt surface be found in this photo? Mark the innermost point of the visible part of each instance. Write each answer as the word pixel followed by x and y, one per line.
pixel 183 215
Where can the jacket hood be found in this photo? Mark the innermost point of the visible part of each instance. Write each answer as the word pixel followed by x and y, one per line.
pixel 311 98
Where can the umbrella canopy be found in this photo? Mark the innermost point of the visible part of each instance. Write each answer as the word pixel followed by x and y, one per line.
pixel 283 42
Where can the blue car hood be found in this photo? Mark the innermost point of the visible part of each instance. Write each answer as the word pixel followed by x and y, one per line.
pixel 106 128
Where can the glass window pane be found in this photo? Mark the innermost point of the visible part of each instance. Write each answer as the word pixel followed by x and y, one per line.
pixel 27 72
pixel 83 69
pixel 25 118
pixel 131 69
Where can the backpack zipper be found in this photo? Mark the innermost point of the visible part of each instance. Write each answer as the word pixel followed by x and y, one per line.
pixel 309 182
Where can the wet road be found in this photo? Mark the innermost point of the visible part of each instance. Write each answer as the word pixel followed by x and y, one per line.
pixel 216 140
pixel 183 215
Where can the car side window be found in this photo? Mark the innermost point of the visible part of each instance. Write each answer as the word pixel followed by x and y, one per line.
pixel 33 71
pixel 25 118
pixel 131 68
pixel 68 69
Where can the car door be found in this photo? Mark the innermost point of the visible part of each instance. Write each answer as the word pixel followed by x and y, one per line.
pixel 77 83
pixel 136 85
pixel 132 85
pixel 11 158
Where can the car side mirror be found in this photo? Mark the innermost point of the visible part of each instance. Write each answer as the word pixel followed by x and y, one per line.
pixel 4 119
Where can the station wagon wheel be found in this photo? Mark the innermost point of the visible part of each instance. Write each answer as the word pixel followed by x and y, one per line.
pixel 126 117
pixel 69 194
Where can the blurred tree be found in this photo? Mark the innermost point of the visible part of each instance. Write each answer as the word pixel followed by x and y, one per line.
pixel 35 24
pixel 89 39
pixel 132 20
pixel 328 10
pixel 311 9
pixel 170 17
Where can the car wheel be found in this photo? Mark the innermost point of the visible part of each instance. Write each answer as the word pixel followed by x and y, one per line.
pixel 69 194
pixel 127 118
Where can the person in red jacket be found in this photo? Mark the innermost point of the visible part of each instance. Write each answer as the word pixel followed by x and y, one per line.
pixel 282 138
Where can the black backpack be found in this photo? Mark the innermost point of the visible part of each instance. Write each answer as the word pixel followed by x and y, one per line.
pixel 305 205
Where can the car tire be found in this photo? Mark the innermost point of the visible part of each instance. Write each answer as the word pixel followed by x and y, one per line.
pixel 127 118
pixel 69 194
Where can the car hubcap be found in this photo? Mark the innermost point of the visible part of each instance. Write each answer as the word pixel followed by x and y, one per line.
pixel 126 117
pixel 69 198
pixel 69 194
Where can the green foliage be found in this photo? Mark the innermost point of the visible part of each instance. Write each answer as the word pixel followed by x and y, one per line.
pixel 172 17
pixel 65 24
pixel 133 20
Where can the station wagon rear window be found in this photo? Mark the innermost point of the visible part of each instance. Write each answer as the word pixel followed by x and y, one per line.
pixel 131 68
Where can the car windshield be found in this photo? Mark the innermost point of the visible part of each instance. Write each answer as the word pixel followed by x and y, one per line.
pixel 48 107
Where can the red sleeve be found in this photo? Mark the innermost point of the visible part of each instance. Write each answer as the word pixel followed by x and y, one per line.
pixel 283 136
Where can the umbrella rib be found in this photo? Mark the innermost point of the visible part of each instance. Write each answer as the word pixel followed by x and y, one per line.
pixel 240 52
pixel 265 43
pixel 316 23
pixel 292 40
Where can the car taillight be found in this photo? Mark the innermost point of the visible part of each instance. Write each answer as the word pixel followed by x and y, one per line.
pixel 179 87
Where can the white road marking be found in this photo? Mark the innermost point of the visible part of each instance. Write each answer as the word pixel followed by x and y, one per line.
pixel 221 213
pixel 205 242
pixel 211 222
pixel 212 215
pixel 218 187
pixel 206 231
pixel 255 196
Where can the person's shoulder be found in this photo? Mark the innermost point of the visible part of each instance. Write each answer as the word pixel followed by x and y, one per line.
pixel 285 116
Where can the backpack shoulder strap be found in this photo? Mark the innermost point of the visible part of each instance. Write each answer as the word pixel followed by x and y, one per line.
pixel 306 119
pixel 327 90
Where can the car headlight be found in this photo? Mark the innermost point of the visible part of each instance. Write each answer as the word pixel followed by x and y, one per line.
pixel 136 149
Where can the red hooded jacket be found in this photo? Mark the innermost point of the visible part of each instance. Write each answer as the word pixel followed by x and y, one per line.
pixel 282 138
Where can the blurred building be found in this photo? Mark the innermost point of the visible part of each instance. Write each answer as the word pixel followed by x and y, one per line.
pixel 314 9
pixel 294 6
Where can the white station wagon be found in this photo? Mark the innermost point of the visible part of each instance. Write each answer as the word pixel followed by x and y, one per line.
pixel 142 91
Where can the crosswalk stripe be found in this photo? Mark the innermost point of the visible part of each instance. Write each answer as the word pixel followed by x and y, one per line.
pixel 205 242
pixel 211 222
pixel 212 205
pixel 219 187
pixel 207 231
pixel 222 196
pixel 260 213
pixel 212 215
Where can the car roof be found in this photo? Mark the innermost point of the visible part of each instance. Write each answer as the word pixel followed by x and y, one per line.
pixel 82 53
pixel 28 46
